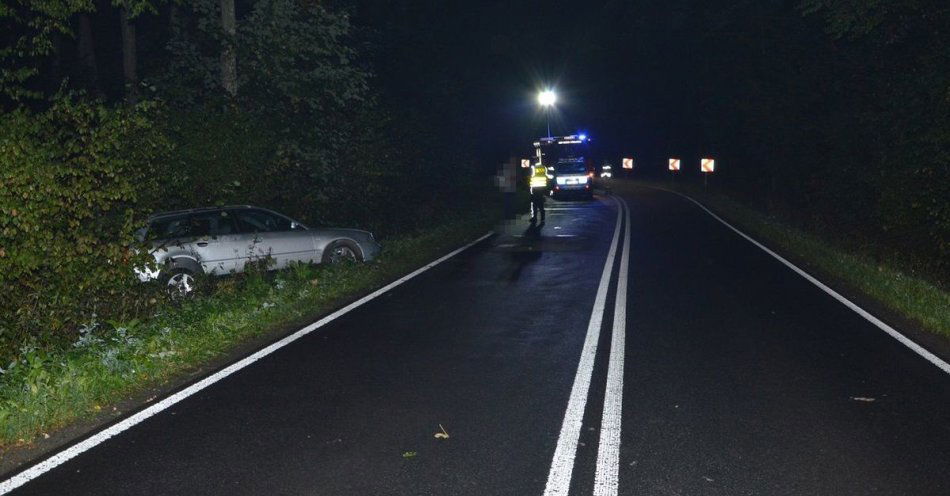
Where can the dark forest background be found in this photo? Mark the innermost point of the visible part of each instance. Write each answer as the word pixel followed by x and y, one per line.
pixel 833 114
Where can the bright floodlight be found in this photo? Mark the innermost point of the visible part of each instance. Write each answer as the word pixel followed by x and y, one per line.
pixel 547 98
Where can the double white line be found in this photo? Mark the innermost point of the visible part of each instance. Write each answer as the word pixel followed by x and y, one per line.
pixel 608 453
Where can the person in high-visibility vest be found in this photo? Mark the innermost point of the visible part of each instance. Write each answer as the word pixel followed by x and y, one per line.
pixel 538 183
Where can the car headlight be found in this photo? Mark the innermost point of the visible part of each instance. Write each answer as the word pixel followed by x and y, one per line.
pixel 146 274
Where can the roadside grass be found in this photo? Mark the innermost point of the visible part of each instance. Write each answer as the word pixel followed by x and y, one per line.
pixel 906 294
pixel 47 389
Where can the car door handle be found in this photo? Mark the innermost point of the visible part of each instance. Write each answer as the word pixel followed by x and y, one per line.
pixel 202 243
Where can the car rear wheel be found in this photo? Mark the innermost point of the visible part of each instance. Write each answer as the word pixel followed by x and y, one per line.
pixel 341 252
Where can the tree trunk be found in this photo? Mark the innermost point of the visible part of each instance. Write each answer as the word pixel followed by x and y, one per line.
pixel 228 55
pixel 87 55
pixel 57 62
pixel 129 72
pixel 174 17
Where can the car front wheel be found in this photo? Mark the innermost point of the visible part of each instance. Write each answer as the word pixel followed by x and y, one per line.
pixel 342 252
pixel 180 283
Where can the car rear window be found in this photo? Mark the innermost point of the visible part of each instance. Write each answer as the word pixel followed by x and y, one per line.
pixel 571 167
pixel 251 221
pixel 213 223
pixel 168 227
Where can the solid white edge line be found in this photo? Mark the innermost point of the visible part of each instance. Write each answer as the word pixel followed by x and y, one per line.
pixel 894 333
pixel 115 429
pixel 562 464
pixel 608 450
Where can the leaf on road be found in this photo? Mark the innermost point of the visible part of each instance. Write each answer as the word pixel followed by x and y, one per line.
pixel 443 434
pixel 862 398
pixel 409 454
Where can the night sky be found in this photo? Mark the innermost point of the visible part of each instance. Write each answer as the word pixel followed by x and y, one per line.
pixel 627 74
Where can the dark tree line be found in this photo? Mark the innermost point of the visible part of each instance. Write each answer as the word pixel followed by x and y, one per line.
pixel 838 116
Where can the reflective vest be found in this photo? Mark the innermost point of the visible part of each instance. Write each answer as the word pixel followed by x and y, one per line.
pixel 539 177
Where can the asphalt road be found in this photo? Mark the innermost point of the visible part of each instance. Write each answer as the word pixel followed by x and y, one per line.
pixel 723 373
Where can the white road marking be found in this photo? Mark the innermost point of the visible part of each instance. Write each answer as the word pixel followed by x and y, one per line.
pixel 894 333
pixel 115 429
pixel 608 450
pixel 562 465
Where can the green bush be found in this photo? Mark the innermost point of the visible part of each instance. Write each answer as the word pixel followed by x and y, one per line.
pixel 305 135
pixel 73 182
pixel 220 156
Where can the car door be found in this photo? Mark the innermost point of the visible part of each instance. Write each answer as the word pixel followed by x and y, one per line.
pixel 170 238
pixel 216 244
pixel 270 234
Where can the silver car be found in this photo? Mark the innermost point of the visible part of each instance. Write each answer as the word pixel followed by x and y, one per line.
pixel 223 240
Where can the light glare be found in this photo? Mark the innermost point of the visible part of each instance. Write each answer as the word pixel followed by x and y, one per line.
pixel 547 98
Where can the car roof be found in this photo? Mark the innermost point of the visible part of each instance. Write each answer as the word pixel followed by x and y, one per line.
pixel 171 213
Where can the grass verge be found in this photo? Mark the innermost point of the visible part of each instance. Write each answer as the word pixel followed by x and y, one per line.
pixel 913 297
pixel 47 389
